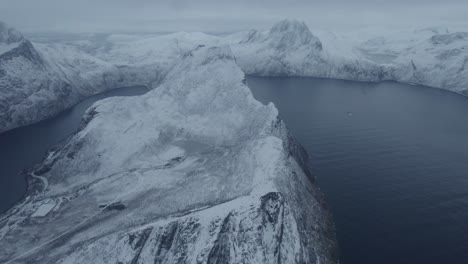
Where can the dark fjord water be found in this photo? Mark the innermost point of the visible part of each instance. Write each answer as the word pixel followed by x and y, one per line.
pixel 392 160
pixel 23 147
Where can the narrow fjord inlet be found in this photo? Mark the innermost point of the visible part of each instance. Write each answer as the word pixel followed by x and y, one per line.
pixel 391 160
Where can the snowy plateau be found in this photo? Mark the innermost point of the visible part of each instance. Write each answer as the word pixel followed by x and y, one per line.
pixel 196 170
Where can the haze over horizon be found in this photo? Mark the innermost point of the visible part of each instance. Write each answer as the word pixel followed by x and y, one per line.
pixel 70 16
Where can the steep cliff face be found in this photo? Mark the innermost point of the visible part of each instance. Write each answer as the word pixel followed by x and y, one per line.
pixel 38 81
pixel 26 85
pixel 282 50
pixel 290 49
pixel 30 89
pixel 440 61
pixel 195 171
pixel 292 34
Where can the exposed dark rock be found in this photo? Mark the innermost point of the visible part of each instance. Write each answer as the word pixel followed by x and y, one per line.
pixel 25 50
pixel 119 206
pixel 271 204
pixel 140 243
pixel 87 117
pixel 165 241
pixel 220 253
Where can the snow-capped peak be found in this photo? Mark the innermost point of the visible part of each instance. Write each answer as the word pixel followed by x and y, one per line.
pixel 10 38
pixel 9 35
pixel 292 33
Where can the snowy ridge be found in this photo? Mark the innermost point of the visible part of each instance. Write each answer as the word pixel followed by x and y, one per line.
pixel 195 171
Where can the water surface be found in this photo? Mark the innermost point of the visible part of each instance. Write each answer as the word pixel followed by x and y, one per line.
pixel 23 147
pixel 392 160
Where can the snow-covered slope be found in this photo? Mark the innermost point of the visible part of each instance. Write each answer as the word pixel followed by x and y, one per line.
pixel 142 57
pixel 431 57
pixel 283 50
pixel 53 76
pixel 290 49
pixel 437 58
pixel 195 171
pixel 27 87
pixel 33 85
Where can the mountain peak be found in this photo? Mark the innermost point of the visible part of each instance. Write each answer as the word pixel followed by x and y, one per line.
pixel 289 25
pixel 9 35
pixel 293 33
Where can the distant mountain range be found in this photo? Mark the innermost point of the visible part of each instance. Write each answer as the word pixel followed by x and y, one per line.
pixel 39 80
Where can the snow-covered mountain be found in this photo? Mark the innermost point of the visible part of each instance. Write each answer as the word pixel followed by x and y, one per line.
pixel 425 57
pixel 290 49
pixel 440 60
pixel 195 171
pixel 24 79
pixel 38 80
pixel 286 49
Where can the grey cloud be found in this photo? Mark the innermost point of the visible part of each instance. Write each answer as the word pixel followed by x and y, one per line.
pixel 224 15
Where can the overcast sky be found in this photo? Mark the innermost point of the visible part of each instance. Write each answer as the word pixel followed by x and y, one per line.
pixel 223 15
